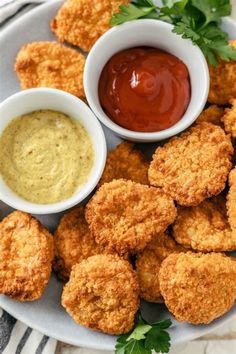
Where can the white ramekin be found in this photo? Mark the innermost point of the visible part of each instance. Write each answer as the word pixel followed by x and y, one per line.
pixel 44 98
pixel 151 33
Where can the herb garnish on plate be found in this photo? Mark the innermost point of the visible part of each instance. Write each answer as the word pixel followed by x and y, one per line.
pixel 197 20
pixel 144 338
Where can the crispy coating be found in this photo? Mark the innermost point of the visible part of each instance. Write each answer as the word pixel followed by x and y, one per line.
pixel 193 166
pixel 211 114
pixel 102 294
pixel 196 287
pixel 229 118
pixel 205 227
pixel 26 249
pixel 125 162
pixel 231 200
pixel 148 265
pixel 125 216
pixel 49 64
pixel 81 23
pixel 223 81
pixel 73 243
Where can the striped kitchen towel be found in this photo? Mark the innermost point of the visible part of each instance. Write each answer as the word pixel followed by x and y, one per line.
pixel 17 338
pixel 9 8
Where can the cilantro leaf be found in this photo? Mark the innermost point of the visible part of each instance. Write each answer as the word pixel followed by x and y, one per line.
pixel 145 3
pixel 144 338
pixel 180 4
pixel 213 10
pixel 158 340
pixel 129 13
pixel 139 332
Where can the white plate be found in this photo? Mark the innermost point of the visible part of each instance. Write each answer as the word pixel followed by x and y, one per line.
pixel 47 315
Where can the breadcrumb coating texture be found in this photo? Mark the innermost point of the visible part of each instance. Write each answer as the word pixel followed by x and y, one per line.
pixel 198 288
pixel 211 114
pixel 193 166
pixel 148 264
pixel 50 64
pixel 223 81
pixel 205 227
pixel 229 118
pixel 73 242
pixel 81 23
pixel 26 249
pixel 231 200
pixel 125 162
pixel 102 294
pixel 125 216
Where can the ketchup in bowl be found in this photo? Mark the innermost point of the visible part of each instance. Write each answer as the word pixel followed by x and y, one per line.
pixel 144 89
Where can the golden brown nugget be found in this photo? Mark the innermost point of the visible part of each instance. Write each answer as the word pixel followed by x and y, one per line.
pixel 193 166
pixel 231 200
pixel 102 294
pixel 26 249
pixel 229 119
pixel 49 64
pixel 223 81
pixel 212 114
pixel 73 243
pixel 125 162
pixel 196 287
pixel 205 227
pixel 125 216
pixel 148 265
pixel 81 23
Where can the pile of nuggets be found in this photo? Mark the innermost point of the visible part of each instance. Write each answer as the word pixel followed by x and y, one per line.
pixel 156 231
pixel 153 230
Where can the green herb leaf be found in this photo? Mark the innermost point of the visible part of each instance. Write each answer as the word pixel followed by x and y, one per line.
pixel 180 4
pixel 158 340
pixel 213 10
pixel 145 3
pixel 144 338
pixel 129 13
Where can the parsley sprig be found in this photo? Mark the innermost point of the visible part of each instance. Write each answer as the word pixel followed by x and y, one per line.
pixel 197 20
pixel 145 337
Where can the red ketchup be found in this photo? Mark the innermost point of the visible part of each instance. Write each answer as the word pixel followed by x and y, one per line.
pixel 144 89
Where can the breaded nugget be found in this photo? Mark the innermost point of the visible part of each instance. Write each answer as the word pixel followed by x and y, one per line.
pixel 205 227
pixel 102 294
pixel 49 64
pixel 26 250
pixel 73 243
pixel 124 215
pixel 193 166
pixel 125 162
pixel 211 114
pixel 148 264
pixel 196 287
pixel 81 23
pixel 223 81
pixel 231 200
pixel 229 118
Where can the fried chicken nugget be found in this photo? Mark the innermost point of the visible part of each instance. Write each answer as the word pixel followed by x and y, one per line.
pixel 196 287
pixel 193 166
pixel 205 227
pixel 212 114
pixel 49 64
pixel 231 200
pixel 26 249
pixel 229 119
pixel 125 162
pixel 125 216
pixel 148 265
pixel 102 294
pixel 73 243
pixel 223 81
pixel 81 23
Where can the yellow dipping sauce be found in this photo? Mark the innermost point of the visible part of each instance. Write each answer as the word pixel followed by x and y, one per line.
pixel 45 156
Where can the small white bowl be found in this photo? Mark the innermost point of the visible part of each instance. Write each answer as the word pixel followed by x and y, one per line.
pixel 151 33
pixel 44 98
